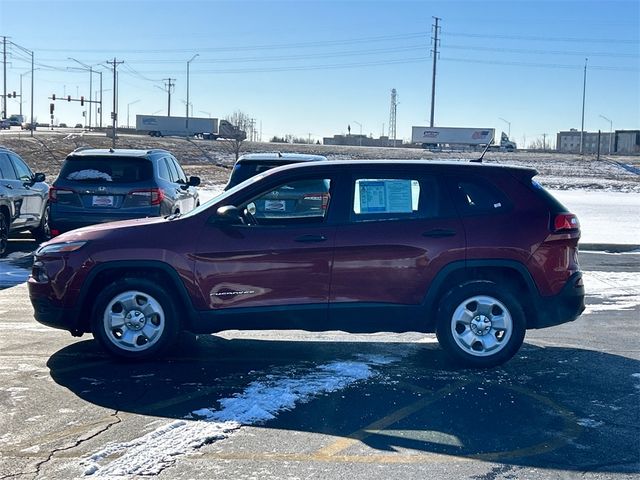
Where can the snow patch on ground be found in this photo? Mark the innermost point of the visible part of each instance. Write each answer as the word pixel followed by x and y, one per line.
pixel 611 291
pixel 589 422
pixel 261 401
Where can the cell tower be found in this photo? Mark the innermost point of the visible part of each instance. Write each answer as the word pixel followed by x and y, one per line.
pixel 392 116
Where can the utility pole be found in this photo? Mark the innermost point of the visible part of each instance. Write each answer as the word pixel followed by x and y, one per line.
pixel 4 66
pixel 114 113
pixel 168 86
pixel 393 110
pixel 436 30
pixel 584 89
pixel 187 121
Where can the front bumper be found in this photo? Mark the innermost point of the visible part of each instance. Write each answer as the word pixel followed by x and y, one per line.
pixel 564 307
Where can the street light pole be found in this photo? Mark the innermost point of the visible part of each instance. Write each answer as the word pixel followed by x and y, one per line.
pixel 360 125
pixel 508 125
pixel 188 62
pixel 128 104
pixel 584 90
pixel 610 131
pixel 90 68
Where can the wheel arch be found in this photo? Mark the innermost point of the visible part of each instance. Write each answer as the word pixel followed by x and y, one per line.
pixel 501 272
pixel 156 271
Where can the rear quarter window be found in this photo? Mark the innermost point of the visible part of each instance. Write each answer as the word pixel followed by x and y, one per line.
pixel 477 196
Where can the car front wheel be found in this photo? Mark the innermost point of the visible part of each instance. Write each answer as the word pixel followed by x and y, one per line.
pixel 135 319
pixel 480 325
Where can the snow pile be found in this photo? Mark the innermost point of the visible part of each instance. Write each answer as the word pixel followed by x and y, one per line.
pixel 89 174
pixel 612 290
pixel 261 401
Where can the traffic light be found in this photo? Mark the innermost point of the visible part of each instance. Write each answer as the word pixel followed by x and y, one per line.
pixel 14 94
pixel 53 96
pixel 68 98
pixel 82 101
pixel 51 107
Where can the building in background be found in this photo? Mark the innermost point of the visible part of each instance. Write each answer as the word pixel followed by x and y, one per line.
pixel 620 142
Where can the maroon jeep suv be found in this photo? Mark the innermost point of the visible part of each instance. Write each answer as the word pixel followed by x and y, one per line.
pixel 475 253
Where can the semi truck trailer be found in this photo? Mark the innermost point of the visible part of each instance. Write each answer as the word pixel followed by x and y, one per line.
pixel 209 128
pixel 455 137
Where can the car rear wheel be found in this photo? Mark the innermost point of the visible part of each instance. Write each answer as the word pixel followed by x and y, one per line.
pixel 42 232
pixel 4 233
pixel 135 318
pixel 480 325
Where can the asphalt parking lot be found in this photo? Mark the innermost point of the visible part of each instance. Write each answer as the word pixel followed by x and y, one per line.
pixel 325 405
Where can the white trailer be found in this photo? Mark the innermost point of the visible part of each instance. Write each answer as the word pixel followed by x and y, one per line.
pixel 209 128
pixel 456 137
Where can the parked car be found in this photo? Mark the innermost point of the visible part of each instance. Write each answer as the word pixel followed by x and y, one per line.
pixel 78 125
pixel 99 186
pixel 254 163
pixel 4 124
pixel 23 199
pixel 62 125
pixel 28 126
pixel 475 253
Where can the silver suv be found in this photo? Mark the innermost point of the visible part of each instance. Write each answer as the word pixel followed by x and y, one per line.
pixel 23 199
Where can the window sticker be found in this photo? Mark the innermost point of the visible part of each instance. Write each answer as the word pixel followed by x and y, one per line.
pixel 385 196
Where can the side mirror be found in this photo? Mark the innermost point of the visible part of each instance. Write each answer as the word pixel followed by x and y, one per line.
pixel 38 177
pixel 193 181
pixel 227 215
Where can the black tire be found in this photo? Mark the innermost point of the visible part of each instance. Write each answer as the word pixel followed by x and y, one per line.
pixel 480 324
pixel 135 318
pixel 4 233
pixel 42 232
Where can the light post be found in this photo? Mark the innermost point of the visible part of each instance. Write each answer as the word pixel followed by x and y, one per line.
pixel 202 111
pixel 188 62
pixel 508 126
pixel 90 68
pixel 610 131
pixel 128 105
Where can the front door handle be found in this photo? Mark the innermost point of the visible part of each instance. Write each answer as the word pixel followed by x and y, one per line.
pixel 311 238
pixel 439 233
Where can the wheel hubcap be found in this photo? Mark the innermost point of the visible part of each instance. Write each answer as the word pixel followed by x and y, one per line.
pixel 481 325
pixel 133 321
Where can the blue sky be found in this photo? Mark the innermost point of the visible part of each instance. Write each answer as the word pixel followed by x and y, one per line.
pixel 314 67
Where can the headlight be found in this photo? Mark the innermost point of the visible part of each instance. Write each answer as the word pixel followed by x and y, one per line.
pixel 60 248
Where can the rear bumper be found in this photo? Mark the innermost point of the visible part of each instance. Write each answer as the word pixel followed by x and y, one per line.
pixel 564 307
pixel 64 221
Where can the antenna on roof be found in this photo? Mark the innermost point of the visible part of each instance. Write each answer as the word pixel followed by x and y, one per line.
pixel 479 160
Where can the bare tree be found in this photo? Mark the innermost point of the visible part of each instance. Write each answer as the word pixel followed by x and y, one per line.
pixel 242 122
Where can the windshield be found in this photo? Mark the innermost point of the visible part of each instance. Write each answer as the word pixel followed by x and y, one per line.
pixel 219 198
pixel 111 169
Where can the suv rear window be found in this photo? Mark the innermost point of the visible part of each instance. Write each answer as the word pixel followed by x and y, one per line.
pixel 111 169
pixel 243 171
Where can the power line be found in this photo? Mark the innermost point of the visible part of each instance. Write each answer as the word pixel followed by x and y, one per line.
pixel 534 38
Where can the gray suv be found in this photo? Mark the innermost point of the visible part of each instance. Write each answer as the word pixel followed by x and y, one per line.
pixel 99 186
pixel 23 199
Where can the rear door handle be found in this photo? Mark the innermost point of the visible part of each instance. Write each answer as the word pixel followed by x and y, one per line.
pixel 311 238
pixel 439 233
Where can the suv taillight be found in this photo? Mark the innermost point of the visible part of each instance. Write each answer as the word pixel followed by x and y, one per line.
pixel 151 196
pixel 565 221
pixel 60 194
pixel 322 198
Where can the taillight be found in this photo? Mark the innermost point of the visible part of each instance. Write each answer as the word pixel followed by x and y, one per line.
pixel 565 221
pixel 151 196
pixel 59 194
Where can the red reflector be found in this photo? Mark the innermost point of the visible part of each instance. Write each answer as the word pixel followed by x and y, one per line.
pixel 54 232
pixel 565 221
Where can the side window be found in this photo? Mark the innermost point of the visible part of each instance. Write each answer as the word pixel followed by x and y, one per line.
pixel 163 170
pixel 173 173
pixel 376 199
pixel 301 201
pixel 6 169
pixel 182 178
pixel 24 173
pixel 477 196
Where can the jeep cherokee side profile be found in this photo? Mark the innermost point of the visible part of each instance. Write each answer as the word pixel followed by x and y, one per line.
pixel 475 253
